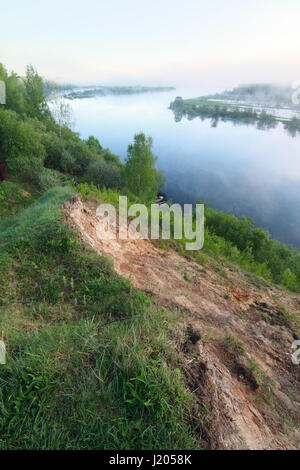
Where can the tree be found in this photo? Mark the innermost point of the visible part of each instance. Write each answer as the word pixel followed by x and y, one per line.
pixel 62 113
pixel 36 104
pixel 140 175
pixel 15 94
pixel 14 91
pixel 94 144
pixel 20 147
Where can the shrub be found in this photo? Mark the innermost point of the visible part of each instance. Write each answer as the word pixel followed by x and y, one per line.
pixel 81 154
pixel 111 158
pixel 289 279
pixel 54 150
pixel 20 147
pixel 48 179
pixel 11 198
pixel 94 144
pixel 104 174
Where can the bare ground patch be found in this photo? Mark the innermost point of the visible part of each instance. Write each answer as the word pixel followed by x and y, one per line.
pixel 251 395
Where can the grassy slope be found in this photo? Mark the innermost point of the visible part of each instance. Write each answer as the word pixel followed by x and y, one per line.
pixel 91 361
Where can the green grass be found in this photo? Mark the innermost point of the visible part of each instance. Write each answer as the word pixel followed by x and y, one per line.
pixel 234 346
pixel 91 361
pixel 15 197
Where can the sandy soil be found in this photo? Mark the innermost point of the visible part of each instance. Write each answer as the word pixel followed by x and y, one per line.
pixel 252 397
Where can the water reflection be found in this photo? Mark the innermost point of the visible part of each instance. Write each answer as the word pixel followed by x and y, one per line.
pixel 238 167
pixel 292 127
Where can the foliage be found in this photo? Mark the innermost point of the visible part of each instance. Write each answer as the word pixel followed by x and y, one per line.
pixel 12 198
pixel 104 174
pixel 111 196
pixel 94 144
pixel 81 154
pixel 48 179
pixel 282 261
pixel 36 104
pixel 140 174
pixel 20 146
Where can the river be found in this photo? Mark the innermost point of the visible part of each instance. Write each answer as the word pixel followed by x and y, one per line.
pixel 236 168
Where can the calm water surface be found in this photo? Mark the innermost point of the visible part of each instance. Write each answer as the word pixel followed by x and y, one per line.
pixel 237 168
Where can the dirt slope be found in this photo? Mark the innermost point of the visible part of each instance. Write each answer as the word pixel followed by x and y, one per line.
pixel 236 347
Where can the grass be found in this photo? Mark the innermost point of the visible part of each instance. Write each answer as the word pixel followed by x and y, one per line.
pixel 91 361
pixel 234 346
pixel 264 382
pixel 15 197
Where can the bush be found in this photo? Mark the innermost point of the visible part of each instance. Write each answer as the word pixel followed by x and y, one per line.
pixel 94 144
pixel 48 179
pixel 103 174
pixel 81 154
pixel 20 147
pixel 54 150
pixel 289 279
pixel 275 260
pixel 11 198
pixel 111 158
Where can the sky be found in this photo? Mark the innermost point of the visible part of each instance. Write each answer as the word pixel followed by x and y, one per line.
pixel 214 44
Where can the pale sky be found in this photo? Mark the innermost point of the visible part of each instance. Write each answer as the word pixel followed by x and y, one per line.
pixel 208 43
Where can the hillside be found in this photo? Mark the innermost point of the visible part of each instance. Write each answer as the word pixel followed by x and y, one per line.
pixel 122 345
pixel 234 343
pixel 178 355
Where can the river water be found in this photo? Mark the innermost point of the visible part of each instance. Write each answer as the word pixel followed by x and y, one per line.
pixel 237 168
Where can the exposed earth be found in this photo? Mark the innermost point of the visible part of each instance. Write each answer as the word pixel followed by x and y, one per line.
pixel 237 341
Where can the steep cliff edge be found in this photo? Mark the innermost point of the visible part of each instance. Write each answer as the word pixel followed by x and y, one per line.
pixel 237 341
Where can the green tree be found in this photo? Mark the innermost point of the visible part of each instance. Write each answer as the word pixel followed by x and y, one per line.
pixel 15 94
pixel 20 147
pixel 36 104
pixel 94 144
pixel 3 73
pixel 140 175
pixel 14 90
pixel 81 153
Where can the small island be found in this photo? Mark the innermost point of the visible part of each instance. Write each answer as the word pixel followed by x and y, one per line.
pixel 92 92
pixel 262 105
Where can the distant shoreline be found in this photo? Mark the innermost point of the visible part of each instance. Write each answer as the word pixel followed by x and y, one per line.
pixel 221 108
pixel 84 93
